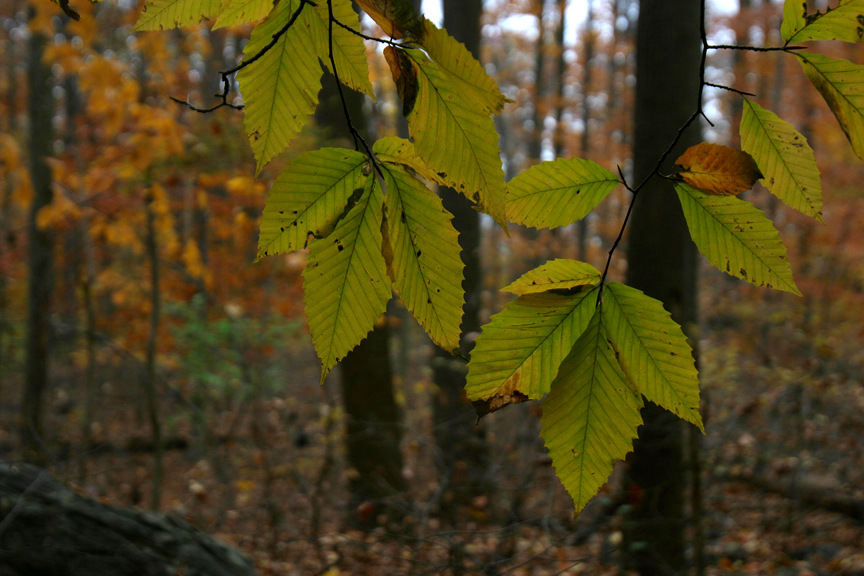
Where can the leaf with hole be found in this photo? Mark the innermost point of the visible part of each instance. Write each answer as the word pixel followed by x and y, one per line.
pixel 346 287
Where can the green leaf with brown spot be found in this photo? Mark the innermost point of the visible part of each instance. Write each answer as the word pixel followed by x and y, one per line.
pixel 737 238
pixel 784 157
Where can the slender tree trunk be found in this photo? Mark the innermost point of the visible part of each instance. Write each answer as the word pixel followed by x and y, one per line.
pixel 585 144
pixel 374 429
pixel 535 141
pixel 41 254
pixel 150 366
pixel 662 263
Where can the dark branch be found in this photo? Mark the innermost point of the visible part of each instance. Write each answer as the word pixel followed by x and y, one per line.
pixel 754 48
pixel 741 92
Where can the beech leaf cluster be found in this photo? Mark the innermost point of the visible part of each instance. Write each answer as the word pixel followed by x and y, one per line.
pixel 591 350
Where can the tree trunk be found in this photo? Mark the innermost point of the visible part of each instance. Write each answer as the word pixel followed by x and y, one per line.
pixel 373 419
pixel 461 442
pixel 41 254
pixel 662 263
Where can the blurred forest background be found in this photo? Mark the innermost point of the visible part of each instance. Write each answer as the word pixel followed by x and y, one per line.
pixel 147 361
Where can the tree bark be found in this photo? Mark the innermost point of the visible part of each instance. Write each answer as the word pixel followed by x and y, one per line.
pixel 40 256
pixel 662 263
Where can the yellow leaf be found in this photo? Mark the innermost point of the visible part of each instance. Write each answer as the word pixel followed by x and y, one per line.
pixel 717 170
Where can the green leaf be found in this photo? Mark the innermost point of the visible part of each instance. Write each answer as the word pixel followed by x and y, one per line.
pixel 456 137
pixel 346 286
pixel 737 238
pixel 786 160
pixel 308 197
pixel 845 22
pixel 234 12
pixel 590 416
pixel 281 88
pixel 426 267
pixel 349 52
pixel 841 84
pixel 522 346
pixel 165 14
pixel 652 350
pixel 401 152
pixel 557 193
pixel 559 274
pixel 466 74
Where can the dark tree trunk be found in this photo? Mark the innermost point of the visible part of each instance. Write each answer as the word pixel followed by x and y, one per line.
pixel 41 254
pixel 662 263
pixel 373 423
pixel 373 419
pixel 461 442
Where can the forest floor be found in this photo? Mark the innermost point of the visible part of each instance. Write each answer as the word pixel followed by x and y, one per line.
pixel 782 465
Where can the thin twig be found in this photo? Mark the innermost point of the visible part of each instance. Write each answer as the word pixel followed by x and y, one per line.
pixel 226 83
pixel 741 92
pixel 753 48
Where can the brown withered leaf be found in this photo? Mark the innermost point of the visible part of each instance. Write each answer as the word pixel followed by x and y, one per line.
pixel 497 402
pixel 404 76
pixel 718 170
